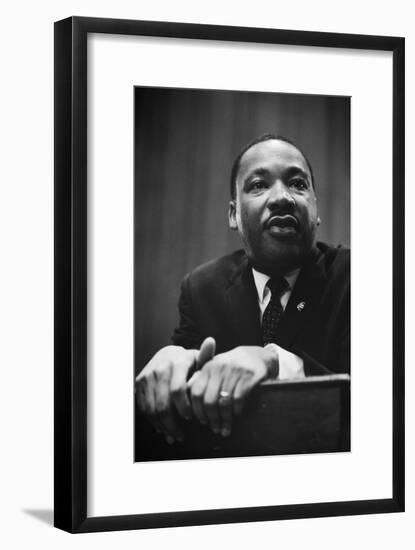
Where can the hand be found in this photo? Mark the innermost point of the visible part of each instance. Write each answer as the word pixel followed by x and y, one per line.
pixel 161 387
pixel 219 390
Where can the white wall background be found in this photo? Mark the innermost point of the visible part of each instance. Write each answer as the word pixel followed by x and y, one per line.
pixel 26 289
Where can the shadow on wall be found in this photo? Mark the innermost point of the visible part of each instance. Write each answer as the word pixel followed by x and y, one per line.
pixel 45 516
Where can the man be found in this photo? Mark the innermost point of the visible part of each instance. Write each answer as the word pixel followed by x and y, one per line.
pixel 278 308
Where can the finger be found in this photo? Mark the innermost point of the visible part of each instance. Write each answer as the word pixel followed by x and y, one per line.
pixel 211 396
pixel 178 391
pixel 146 402
pixel 242 389
pixel 140 397
pixel 145 395
pixel 226 403
pixel 155 422
pixel 163 407
pixel 206 352
pixel 152 411
pixel 169 425
pixel 192 379
pixel 197 390
pixel 149 397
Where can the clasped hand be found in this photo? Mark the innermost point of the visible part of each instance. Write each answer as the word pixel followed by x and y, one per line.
pixel 215 392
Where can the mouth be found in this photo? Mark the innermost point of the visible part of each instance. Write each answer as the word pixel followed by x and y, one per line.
pixel 282 223
pixel 286 220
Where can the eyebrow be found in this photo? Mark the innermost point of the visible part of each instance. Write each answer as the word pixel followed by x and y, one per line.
pixel 289 172
pixel 295 171
pixel 258 172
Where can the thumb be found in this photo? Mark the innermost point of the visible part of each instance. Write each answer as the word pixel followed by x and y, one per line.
pixel 206 352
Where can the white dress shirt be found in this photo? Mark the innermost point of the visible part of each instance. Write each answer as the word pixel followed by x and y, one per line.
pixel 290 365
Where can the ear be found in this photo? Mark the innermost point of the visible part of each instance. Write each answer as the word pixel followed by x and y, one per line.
pixel 232 215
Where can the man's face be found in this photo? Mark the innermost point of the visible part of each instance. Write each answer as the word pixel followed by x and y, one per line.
pixel 275 210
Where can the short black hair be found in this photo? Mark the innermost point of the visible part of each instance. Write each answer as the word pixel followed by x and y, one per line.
pixel 260 139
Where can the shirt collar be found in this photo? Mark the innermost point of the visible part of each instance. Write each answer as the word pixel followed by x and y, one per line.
pixel 261 280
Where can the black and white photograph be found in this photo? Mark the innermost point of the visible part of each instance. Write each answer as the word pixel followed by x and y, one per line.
pixel 229 329
pixel 242 273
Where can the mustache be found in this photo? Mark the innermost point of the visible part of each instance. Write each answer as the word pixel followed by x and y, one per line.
pixel 282 219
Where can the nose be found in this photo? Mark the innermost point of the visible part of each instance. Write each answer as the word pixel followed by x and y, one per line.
pixel 280 196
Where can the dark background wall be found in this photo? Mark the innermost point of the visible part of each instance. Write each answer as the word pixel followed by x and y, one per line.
pixel 185 143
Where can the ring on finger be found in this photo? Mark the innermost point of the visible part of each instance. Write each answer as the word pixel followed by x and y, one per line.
pixel 224 397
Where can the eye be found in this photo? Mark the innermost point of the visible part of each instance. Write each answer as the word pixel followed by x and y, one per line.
pixel 299 183
pixel 257 185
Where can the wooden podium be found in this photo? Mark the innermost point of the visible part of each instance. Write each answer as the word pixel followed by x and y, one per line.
pixel 310 415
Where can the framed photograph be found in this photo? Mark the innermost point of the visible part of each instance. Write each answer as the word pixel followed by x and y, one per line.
pixel 229 274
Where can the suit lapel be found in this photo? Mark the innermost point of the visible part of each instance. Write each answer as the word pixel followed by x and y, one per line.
pixel 302 303
pixel 242 307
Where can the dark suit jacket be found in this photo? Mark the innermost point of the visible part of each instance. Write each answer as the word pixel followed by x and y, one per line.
pixel 219 299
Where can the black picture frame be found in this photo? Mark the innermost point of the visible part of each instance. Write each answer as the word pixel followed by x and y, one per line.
pixel 70 173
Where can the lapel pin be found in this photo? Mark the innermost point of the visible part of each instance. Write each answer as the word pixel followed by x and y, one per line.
pixel 300 306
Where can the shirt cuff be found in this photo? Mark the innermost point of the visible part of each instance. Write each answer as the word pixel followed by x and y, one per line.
pixel 289 364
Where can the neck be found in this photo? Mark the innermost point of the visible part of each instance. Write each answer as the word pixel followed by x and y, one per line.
pixel 279 268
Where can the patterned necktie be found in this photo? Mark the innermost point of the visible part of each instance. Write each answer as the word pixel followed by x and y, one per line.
pixel 273 311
